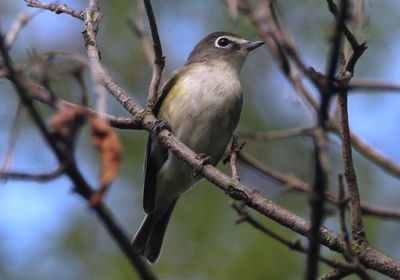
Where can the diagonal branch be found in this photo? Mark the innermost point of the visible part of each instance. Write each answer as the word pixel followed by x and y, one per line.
pixel 292 245
pixel 293 183
pixel 21 20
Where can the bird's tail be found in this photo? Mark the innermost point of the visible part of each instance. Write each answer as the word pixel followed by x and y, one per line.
pixel 149 238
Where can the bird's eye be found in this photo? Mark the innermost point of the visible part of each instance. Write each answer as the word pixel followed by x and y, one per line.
pixel 223 42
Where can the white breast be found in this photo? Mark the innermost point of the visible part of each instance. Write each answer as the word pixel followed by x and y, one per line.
pixel 205 115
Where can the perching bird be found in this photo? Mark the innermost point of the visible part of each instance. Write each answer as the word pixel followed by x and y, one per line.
pixel 201 102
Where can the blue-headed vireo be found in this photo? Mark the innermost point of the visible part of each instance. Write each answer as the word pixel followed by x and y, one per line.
pixel 201 102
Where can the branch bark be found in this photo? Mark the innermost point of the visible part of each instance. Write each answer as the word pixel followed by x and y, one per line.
pixel 159 59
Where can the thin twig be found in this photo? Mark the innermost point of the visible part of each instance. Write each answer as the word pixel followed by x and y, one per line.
pixel 346 73
pixel 92 20
pixel 56 8
pixel 84 92
pixel 291 182
pixel 159 59
pixel 370 85
pixel 12 140
pixel 276 135
pixel 137 27
pixel 351 178
pixel 295 246
pixel 368 151
pixel 262 18
pixel 349 254
pixel 335 274
pixel 44 177
pixel 21 20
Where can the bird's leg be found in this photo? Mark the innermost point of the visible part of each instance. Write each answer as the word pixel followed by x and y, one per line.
pixel 160 125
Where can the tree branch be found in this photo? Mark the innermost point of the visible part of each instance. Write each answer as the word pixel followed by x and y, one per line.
pixel 349 255
pixel 19 23
pixel 92 20
pixel 32 177
pixel 371 85
pixel 56 8
pixel 137 27
pixel 295 246
pixel 159 59
pixel 276 135
pixel 335 274
pixel 293 183
pixel 344 77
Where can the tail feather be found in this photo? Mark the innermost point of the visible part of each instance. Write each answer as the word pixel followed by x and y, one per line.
pixel 149 238
pixel 140 239
pixel 156 237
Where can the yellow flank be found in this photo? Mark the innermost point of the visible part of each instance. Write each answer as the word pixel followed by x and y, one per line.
pixel 175 92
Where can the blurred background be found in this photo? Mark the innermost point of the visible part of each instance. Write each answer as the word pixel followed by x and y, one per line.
pixel 47 230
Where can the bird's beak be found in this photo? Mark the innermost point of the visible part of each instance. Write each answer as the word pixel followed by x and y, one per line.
pixel 249 46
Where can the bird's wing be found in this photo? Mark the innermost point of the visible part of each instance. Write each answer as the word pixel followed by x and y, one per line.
pixel 156 153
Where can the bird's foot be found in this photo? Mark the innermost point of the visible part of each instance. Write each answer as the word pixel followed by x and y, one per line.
pixel 160 125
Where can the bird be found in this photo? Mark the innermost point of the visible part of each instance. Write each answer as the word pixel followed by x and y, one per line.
pixel 201 103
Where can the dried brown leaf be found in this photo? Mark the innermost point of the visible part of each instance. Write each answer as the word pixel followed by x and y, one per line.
pixel 109 147
pixel 66 123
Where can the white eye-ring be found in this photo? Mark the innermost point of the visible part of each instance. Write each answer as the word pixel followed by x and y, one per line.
pixel 222 42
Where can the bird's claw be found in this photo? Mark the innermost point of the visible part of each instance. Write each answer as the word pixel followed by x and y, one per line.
pixel 160 125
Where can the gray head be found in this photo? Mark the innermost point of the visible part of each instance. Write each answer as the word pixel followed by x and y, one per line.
pixel 222 46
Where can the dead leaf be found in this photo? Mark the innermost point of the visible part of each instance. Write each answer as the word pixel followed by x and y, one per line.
pixel 66 123
pixel 107 143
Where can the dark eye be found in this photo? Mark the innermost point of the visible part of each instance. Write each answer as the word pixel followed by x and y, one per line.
pixel 223 42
